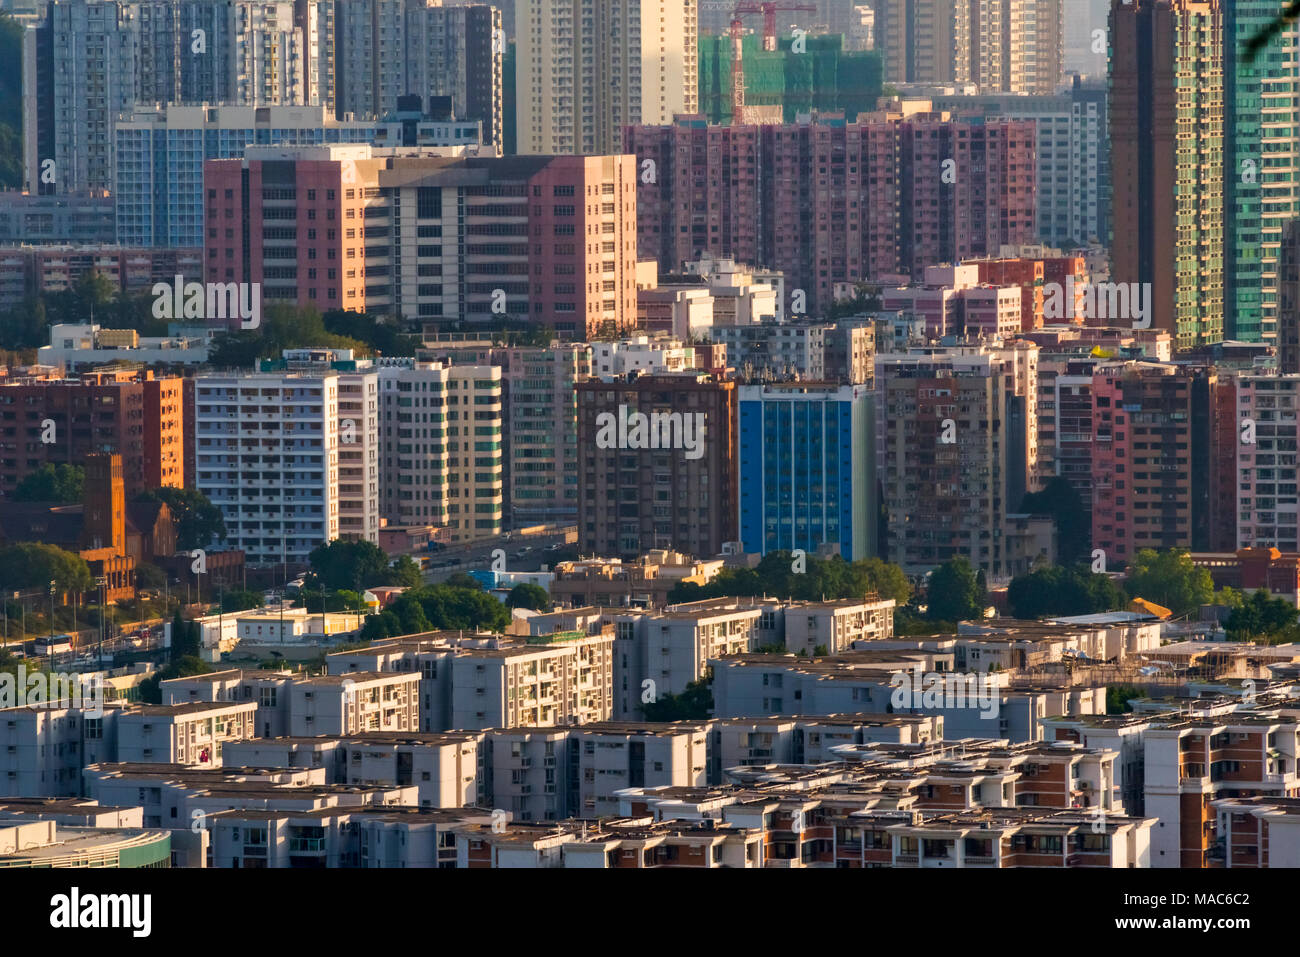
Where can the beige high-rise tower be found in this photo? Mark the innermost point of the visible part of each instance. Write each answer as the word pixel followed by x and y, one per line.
pixel 1002 46
pixel 587 68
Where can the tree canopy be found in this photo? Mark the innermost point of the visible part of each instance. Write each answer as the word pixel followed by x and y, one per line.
pixel 437 607
pixel 150 690
pixel 1261 616
pixel 695 703
pixel 954 592
pixel 35 565
pixel 526 595
pixel 1061 501
pixel 1170 579
pixel 57 484
pixel 1054 591
pixel 352 565
pixel 198 522
pixel 777 576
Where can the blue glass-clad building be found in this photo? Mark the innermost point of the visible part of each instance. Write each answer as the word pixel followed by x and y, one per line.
pixel 807 468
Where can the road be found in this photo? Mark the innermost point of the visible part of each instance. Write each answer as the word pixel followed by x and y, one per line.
pixel 522 554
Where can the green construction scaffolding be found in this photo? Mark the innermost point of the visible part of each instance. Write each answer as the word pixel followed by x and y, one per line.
pixel 823 77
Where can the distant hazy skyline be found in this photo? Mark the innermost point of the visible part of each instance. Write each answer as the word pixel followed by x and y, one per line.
pixel 1081 18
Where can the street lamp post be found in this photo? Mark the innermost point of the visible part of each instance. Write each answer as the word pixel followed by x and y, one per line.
pixel 103 600
pixel 53 588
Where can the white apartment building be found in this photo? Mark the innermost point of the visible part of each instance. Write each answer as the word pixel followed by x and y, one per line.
pixel 430 659
pixel 671 648
pixel 635 354
pixel 443 768
pixel 526 772
pixel 834 626
pixel 545 681
pixel 269 690
pixel 612 756
pixel 42 750
pixel 358 433
pixel 267 454
pixel 1266 434
pixel 441 435
pixel 354 703
pixel 290 753
pixel 290 458
pixel 586 69
pixel 750 742
pixel 192 733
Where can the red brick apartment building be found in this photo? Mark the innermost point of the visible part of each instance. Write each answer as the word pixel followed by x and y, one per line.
pixel 61 421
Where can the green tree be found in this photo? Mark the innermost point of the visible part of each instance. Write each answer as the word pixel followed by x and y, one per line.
pixel 1260 616
pixel 695 703
pixel 11 112
pixel 35 565
pixel 187 641
pixel 405 573
pixel 56 484
pixel 463 580
pixel 1054 591
pixel 198 522
pixel 953 592
pixel 1061 501
pixel 1118 697
pixel 887 580
pixel 239 599
pixel 345 600
pixel 150 690
pixel 776 575
pixel 437 607
pixel 150 576
pixel 1170 579
pixel 284 326
pixel 525 595
pixel 352 565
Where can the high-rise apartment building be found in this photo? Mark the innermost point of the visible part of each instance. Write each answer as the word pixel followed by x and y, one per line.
pixel 160 152
pixel 585 69
pixel 1002 46
pixel 61 421
pixel 1072 158
pixel 1288 318
pixel 88 61
pixel 1261 151
pixel 657 464
pixel 1167 161
pixel 235 51
pixel 826 202
pixel 441 447
pixel 957 445
pixel 806 464
pixel 550 238
pixel 358 432
pixel 1153 465
pixel 67 133
pixel 267 453
pixel 1265 479
pixel 389 49
pixel 541 421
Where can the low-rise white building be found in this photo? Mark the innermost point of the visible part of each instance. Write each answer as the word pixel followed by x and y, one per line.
pixel 354 703
pixel 193 733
